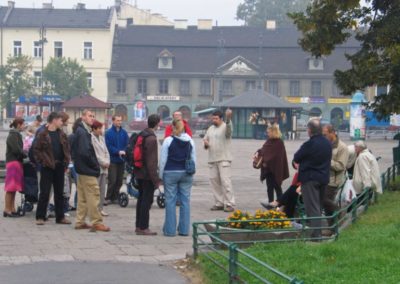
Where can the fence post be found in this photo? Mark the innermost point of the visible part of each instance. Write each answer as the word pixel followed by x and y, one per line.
pixel 195 242
pixel 233 268
pixel 394 172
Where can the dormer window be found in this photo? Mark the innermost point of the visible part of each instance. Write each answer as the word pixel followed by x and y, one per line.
pixel 165 60
pixel 315 63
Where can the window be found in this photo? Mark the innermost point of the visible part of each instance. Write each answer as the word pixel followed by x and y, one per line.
pixel 17 48
pixel 163 86
pixel 121 86
pixel 295 88
pixel 87 50
pixel 205 87
pixel 89 79
pixel 37 79
pixel 227 88
pixel 184 88
pixel 336 92
pixel 250 85
pixel 315 88
pixel 142 86
pixel 58 50
pixel 382 90
pixel 273 88
pixel 37 49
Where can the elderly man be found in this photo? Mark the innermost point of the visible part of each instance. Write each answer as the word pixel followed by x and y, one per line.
pixel 178 116
pixel 366 170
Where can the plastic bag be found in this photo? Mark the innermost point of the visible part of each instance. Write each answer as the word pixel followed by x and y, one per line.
pixel 346 194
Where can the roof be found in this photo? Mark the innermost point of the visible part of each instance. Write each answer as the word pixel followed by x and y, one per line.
pixel 256 99
pixel 136 48
pixel 85 101
pixel 56 18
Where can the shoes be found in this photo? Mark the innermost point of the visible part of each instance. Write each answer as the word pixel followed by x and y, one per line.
pixel 270 205
pixel 229 209
pixel 72 208
pixel 183 235
pixel 100 227
pixel 51 215
pixel 216 208
pixel 40 222
pixel 82 226
pixel 67 214
pixel 178 203
pixel 12 214
pixel 145 232
pixel 137 229
pixel 64 221
pixel 103 213
pixel 108 202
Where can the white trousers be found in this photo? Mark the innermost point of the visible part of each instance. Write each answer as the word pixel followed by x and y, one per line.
pixel 220 179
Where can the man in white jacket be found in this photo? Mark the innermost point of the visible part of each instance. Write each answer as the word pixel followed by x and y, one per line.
pixel 366 170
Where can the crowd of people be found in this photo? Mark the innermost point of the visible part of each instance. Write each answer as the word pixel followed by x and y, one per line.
pixel 96 163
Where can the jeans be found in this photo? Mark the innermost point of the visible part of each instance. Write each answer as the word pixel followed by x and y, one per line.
pixel 177 184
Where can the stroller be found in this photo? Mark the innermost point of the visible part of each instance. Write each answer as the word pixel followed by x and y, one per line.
pixel 29 196
pixel 132 191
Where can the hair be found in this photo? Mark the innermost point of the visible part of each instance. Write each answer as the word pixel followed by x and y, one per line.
pixel 178 127
pixel 85 111
pixel 275 132
pixel 217 113
pixel 76 124
pixel 39 118
pixel 314 125
pixel 153 120
pixel 53 115
pixel 115 116
pixel 64 116
pixel 97 124
pixel 16 122
pixel 330 128
pixel 361 144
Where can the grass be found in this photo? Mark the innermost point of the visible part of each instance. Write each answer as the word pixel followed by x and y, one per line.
pixel 366 252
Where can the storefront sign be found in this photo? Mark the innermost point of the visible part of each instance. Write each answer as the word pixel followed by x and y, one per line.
pixel 339 100
pixel 163 98
pixel 316 100
pixel 306 100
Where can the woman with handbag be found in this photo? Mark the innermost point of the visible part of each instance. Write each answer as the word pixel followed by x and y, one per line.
pixel 274 167
pixel 14 171
pixel 177 166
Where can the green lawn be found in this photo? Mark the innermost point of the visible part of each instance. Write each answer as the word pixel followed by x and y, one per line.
pixel 366 252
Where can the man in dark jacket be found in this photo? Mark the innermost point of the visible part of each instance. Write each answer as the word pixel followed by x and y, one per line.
pixel 116 140
pixel 147 176
pixel 88 169
pixel 314 157
pixel 51 152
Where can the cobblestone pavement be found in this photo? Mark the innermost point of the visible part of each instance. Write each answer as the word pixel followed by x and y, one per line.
pixel 23 242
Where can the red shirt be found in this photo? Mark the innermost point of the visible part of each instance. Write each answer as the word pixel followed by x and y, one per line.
pixel 168 129
pixel 295 180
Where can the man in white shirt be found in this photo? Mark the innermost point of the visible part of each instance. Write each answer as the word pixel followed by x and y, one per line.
pixel 218 143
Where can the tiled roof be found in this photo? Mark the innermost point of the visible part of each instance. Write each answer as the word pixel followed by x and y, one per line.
pixel 85 101
pixel 57 18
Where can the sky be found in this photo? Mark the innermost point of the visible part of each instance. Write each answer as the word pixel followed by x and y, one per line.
pixel 223 11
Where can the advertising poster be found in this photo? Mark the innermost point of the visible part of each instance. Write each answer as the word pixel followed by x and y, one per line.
pixel 357 121
pixel 33 110
pixel 139 111
pixel 45 112
pixel 21 110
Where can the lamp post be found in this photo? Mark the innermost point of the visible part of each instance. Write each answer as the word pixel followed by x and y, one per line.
pixel 42 41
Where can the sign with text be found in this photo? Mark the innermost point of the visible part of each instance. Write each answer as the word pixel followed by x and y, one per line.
pixel 163 98
pixel 339 100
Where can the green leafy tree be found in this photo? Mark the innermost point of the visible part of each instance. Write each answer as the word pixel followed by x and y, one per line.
pixel 16 80
pixel 66 77
pixel 257 12
pixel 375 24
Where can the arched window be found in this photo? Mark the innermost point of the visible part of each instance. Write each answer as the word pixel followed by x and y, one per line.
pixel 186 112
pixel 315 112
pixel 163 111
pixel 121 110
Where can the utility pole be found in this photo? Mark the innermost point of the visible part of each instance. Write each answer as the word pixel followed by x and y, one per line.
pixel 42 41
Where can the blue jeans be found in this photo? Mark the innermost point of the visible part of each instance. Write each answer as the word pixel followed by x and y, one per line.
pixel 177 184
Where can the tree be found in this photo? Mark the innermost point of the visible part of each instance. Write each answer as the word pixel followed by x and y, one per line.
pixel 65 77
pixel 257 12
pixel 16 80
pixel 375 25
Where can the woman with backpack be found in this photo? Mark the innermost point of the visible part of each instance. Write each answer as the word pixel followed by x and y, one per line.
pixel 176 151
pixel 15 175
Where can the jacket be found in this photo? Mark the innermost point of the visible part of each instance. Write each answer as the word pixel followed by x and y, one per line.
pixel 85 160
pixel 168 129
pixel 167 156
pixel 116 141
pixel 103 157
pixel 366 173
pixel 43 152
pixel 220 140
pixel 314 157
pixel 14 150
pixel 340 156
pixel 274 160
pixel 149 171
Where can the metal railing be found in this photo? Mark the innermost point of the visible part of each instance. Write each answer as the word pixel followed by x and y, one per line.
pixel 220 245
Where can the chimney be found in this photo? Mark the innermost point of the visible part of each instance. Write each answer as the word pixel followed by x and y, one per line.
pixel 80 6
pixel 181 24
pixel 117 3
pixel 271 25
pixel 204 24
pixel 11 4
pixel 47 6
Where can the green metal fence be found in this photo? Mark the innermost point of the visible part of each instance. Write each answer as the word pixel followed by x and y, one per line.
pixel 222 245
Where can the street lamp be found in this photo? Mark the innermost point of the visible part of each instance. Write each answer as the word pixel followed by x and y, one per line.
pixel 42 41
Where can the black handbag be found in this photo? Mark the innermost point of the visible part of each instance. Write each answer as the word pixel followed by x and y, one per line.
pixel 190 166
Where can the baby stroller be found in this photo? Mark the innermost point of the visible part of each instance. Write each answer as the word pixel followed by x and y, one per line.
pixel 132 191
pixel 29 195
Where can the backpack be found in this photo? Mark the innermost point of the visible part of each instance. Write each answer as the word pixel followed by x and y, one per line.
pixel 134 150
pixel 129 152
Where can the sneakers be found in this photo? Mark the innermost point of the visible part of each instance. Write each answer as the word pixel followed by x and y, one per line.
pixel 82 226
pixel 216 208
pixel 103 213
pixel 229 209
pixel 100 228
pixel 40 222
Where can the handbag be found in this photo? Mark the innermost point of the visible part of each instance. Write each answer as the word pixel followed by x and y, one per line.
pixel 257 160
pixel 190 166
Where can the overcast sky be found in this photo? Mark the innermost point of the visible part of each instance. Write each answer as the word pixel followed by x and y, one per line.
pixel 223 11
